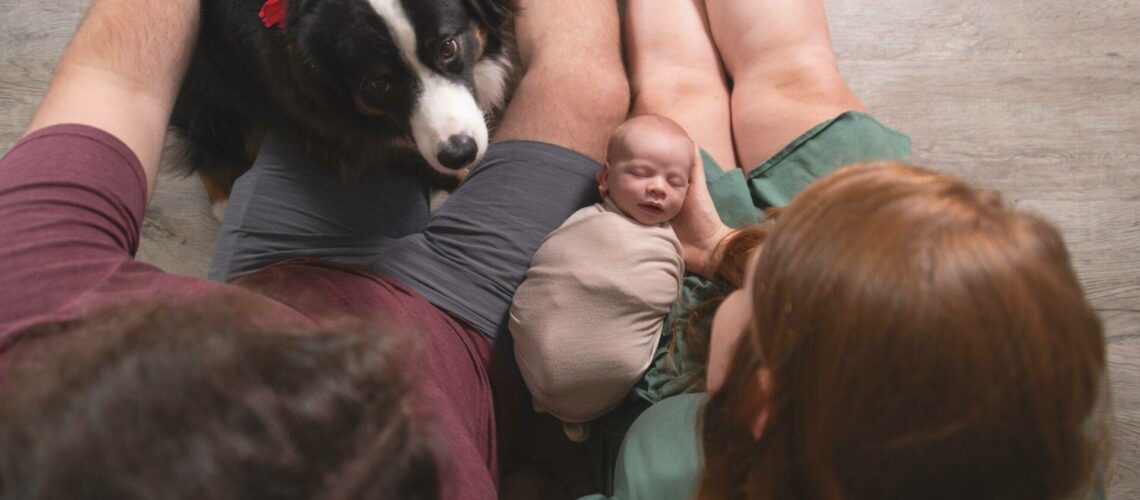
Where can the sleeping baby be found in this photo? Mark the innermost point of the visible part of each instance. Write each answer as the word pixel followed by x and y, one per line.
pixel 588 316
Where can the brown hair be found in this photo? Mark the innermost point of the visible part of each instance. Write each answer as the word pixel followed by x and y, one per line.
pixel 923 340
pixel 190 401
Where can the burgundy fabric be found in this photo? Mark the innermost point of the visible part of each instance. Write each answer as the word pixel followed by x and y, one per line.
pixel 458 364
pixel 72 200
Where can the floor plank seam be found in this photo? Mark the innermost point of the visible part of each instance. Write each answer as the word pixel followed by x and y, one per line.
pixel 1119 339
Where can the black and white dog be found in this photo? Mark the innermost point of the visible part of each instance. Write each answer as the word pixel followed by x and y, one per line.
pixel 357 83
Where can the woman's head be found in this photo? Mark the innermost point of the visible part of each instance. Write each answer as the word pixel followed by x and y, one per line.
pixel 907 336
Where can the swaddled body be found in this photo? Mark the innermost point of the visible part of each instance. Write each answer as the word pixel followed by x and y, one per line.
pixel 587 319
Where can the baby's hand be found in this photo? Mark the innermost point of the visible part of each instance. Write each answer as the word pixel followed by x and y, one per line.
pixel 697 225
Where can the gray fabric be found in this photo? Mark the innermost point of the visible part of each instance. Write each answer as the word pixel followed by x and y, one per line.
pixel 467 260
pixel 284 208
pixel 476 249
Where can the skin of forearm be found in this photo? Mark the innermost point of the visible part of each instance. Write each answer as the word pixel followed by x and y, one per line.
pixel 121 72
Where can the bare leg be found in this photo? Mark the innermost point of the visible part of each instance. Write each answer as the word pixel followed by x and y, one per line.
pixel 674 71
pixel 779 55
pixel 574 91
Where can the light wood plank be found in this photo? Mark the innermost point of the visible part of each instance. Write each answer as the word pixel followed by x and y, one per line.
pixel 954 31
pixel 1124 373
pixel 1039 99
pixel 179 232
pixel 1104 240
pixel 1120 326
pixel 32 36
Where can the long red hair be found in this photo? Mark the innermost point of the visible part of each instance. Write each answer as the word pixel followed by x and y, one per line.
pixel 923 340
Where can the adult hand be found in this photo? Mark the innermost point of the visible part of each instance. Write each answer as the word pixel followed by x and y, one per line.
pixel 697 225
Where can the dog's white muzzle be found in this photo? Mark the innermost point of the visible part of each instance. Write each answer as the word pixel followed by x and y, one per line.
pixel 448 126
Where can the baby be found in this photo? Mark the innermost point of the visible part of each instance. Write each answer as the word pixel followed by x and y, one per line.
pixel 588 316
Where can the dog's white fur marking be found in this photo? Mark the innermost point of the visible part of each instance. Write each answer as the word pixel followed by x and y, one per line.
pixel 218 208
pixel 443 108
pixel 491 74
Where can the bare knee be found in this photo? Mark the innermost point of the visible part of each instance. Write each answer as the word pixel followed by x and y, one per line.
pixel 574 89
pixel 612 95
pixel 598 90
pixel 805 74
pixel 670 87
pixel 774 103
pixel 571 105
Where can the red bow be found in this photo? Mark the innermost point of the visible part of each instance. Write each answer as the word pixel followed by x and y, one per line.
pixel 273 13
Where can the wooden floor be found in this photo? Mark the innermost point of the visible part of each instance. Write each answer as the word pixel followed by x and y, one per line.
pixel 1037 98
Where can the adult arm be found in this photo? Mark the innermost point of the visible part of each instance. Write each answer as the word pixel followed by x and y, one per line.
pixel 73 191
pixel 121 73
pixel 698 225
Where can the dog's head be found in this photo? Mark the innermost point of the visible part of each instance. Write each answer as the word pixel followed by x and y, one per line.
pixel 424 69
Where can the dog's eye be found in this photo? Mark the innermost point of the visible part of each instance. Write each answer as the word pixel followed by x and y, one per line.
pixel 376 87
pixel 448 50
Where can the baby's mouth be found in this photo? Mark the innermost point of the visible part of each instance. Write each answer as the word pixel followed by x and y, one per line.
pixel 652 207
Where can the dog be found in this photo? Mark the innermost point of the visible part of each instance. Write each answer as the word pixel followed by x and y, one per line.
pixel 357 84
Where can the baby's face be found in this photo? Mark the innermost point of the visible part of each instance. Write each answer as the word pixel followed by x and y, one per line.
pixel 649 179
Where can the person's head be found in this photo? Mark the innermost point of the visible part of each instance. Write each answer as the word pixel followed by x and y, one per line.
pixel 903 335
pixel 180 402
pixel 646 172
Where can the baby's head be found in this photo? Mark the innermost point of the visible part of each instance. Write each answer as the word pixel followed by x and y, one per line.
pixel 647 166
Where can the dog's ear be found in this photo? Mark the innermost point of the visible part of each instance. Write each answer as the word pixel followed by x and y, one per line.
pixel 494 14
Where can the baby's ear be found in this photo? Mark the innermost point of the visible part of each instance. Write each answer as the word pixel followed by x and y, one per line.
pixel 602 177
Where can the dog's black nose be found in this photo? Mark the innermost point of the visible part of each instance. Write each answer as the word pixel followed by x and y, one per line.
pixel 458 151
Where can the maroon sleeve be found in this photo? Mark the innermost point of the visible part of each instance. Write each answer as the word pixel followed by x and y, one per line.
pixel 72 200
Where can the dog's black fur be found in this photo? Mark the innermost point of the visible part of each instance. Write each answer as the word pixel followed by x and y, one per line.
pixel 332 79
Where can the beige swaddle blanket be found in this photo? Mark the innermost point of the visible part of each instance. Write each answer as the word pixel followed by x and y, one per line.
pixel 588 316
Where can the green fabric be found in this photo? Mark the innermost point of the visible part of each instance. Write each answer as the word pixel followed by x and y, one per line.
pixel 730 193
pixel 649 467
pixel 660 456
pixel 669 377
pixel 851 137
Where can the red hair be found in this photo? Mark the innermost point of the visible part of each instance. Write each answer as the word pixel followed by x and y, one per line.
pixel 924 340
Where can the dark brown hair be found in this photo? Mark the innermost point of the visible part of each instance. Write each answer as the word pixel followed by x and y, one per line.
pixel 923 340
pixel 191 401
